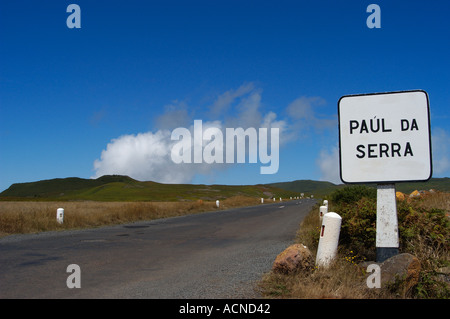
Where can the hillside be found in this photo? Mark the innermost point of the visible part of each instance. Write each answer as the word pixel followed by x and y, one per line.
pixel 439 184
pixel 320 188
pixel 124 188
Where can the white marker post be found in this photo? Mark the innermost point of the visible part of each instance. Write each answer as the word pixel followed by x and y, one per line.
pixel 329 239
pixel 322 211
pixel 217 203
pixel 385 138
pixel 60 215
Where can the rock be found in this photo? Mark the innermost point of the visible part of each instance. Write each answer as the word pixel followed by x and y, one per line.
pixel 416 193
pixel 295 257
pixel 444 274
pixel 404 267
pixel 400 196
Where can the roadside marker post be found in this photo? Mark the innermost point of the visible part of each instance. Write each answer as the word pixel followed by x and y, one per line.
pixel 217 203
pixel 384 139
pixel 329 239
pixel 60 215
pixel 322 211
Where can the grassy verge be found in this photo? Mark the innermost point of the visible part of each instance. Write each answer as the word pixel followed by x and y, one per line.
pixel 32 217
pixel 424 230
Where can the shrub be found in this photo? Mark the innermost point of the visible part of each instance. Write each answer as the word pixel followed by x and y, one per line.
pixel 358 229
pixel 352 194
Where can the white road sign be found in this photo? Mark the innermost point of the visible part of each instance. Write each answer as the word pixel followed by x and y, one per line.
pixel 385 137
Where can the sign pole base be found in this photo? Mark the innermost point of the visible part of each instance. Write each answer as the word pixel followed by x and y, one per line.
pixel 384 253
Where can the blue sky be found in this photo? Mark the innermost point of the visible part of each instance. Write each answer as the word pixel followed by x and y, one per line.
pixel 72 101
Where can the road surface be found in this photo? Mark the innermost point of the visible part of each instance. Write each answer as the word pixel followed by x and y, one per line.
pixel 219 254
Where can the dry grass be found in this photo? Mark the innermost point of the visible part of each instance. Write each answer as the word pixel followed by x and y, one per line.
pixel 342 280
pixel 429 200
pixel 31 217
pixel 308 233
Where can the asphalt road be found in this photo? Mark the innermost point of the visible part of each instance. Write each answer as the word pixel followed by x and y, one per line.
pixel 211 255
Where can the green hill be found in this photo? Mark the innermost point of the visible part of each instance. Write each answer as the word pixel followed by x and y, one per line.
pixel 439 184
pixel 319 188
pixel 124 188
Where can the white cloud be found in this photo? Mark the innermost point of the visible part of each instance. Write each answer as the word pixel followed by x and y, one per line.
pixel 147 156
pixel 328 163
pixel 440 140
pixel 175 115
pixel 225 100
pixel 306 118
pixel 302 107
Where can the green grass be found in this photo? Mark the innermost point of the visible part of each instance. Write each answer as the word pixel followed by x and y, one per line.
pixel 323 189
pixel 124 188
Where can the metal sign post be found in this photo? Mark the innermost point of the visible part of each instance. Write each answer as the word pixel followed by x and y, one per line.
pixel 384 138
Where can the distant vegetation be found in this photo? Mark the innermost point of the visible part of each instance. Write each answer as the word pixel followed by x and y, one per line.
pixel 320 188
pixel 124 188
